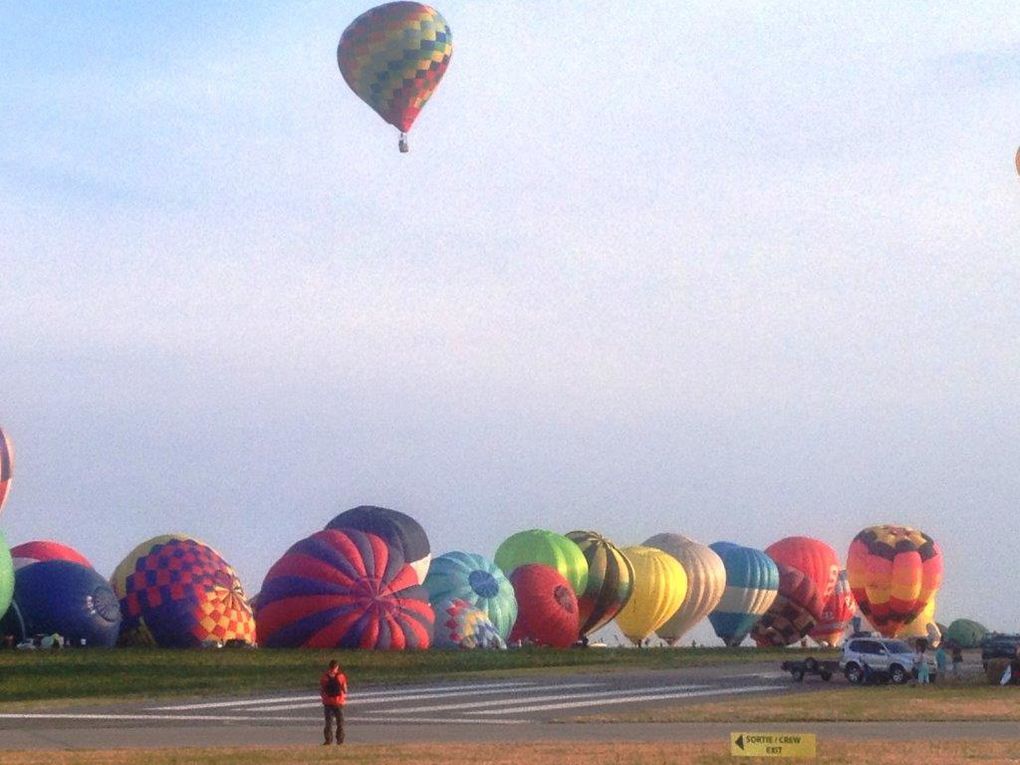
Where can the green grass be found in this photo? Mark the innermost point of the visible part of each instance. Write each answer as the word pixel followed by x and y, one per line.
pixel 124 673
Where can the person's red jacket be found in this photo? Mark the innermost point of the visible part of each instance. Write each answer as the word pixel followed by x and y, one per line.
pixel 333 701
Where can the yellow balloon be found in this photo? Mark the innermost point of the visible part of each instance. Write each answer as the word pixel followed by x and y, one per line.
pixel 923 625
pixel 706 582
pixel 660 586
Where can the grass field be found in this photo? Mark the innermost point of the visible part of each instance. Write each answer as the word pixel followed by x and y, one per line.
pixel 126 673
pixel 566 753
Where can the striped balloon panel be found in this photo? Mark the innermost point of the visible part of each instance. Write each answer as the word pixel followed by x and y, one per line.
pixel 752 583
pixel 610 580
pixel 660 586
pixel 393 58
pixel 397 529
pixel 706 582
pixel 792 615
pixel 343 589
pixel 476 580
pixel 6 467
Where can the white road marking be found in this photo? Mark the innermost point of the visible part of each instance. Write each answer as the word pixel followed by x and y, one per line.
pixel 518 699
pixel 359 701
pixel 429 721
pixel 626 700
pixel 149 717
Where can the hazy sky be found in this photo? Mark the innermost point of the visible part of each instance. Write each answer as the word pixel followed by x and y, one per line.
pixel 736 270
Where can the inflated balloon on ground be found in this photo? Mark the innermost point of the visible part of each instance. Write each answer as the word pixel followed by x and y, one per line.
pixel 549 549
pixel 706 582
pixel 6 576
pixel 177 592
pixel 397 529
pixel 460 625
pixel 812 557
pixel 965 633
pixel 660 586
pixel 792 615
pixel 343 589
pixel 837 611
pixel 752 583
pixel 476 580
pixel 546 607
pixel 610 580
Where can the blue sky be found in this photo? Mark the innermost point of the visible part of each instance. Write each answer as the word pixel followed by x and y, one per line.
pixel 739 271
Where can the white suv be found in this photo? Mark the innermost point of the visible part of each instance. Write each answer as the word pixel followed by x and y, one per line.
pixel 894 657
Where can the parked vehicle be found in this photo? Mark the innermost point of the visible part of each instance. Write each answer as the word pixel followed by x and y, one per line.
pixel 811 666
pixel 998 646
pixel 881 655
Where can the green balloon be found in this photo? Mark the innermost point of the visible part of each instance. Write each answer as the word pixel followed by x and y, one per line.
pixel 548 548
pixel 966 633
pixel 6 576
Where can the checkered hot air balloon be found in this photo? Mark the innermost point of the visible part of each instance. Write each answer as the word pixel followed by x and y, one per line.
pixel 6 466
pixel 393 58
pixel 177 592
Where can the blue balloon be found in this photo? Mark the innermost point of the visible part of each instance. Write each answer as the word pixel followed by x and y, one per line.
pixel 67 598
pixel 476 580
pixel 752 583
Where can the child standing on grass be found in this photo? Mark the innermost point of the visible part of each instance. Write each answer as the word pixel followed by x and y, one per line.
pixel 921 666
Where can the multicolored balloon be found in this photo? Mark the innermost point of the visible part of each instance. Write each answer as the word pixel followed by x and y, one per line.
pixel 792 615
pixel 479 582
pixel 546 607
pixel 6 466
pixel 752 583
pixel 706 582
pixel 395 528
pixel 660 586
pixel 460 625
pixel 923 625
pixel 28 553
pixel 177 592
pixel 837 612
pixel 812 557
pixel 393 58
pixel 59 596
pixel 893 572
pixel 343 589
pixel 547 548
pixel 610 580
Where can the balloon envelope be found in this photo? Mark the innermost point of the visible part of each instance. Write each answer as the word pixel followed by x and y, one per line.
pixel 28 553
pixel 752 583
pixel 546 607
pixel 393 58
pixel 6 466
pixel 476 580
pixel 837 611
pixel 794 612
pixel 660 586
pixel 610 580
pixel 6 576
pixel 177 592
pixel 547 548
pixel 343 589
pixel 395 528
pixel 459 625
pixel 706 582
pixel 893 572
pixel 965 633
pixel 812 557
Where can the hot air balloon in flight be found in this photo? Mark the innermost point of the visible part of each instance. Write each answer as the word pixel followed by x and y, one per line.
pixel 546 607
pixel 893 572
pixel 343 589
pixel 547 548
pixel 610 580
pixel 177 592
pixel 752 583
pixel 476 580
pixel 6 466
pixel 28 553
pixel 460 625
pixel 837 611
pixel 393 57
pixel 660 586
pixel 706 582
pixel 794 612
pixel 395 528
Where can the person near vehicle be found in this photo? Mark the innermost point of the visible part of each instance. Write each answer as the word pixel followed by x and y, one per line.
pixel 333 690
pixel 921 665
pixel 957 660
pixel 940 659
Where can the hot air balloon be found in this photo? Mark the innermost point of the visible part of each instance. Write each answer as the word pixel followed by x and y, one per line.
pixel 59 596
pixel 706 582
pixel 547 548
pixel 1016 160
pixel 343 589
pixel 393 527
pixel 893 572
pixel 460 625
pixel 812 557
pixel 177 592
pixel 546 607
pixel 660 586
pixel 610 580
pixel 393 58
pixel 965 633
pixel 752 582
pixel 837 612
pixel 476 580
pixel 28 553
pixel 794 612
pixel 923 626
pixel 6 576
pixel 6 466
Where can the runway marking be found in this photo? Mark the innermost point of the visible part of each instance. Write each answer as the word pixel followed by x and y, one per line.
pixel 517 700
pixel 627 699
pixel 252 718
pixel 309 697
pixel 360 701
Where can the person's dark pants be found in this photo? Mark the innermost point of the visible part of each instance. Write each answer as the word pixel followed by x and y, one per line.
pixel 331 714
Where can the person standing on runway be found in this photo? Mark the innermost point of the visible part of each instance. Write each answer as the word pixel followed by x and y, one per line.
pixel 333 690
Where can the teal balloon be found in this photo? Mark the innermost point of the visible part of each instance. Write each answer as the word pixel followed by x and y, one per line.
pixel 6 576
pixel 752 584
pixel 966 633
pixel 476 580
pixel 547 548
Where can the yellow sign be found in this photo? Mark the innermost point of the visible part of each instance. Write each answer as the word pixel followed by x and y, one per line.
pixel 772 744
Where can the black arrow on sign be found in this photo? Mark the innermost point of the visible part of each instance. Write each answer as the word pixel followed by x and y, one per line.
pixel 740 741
